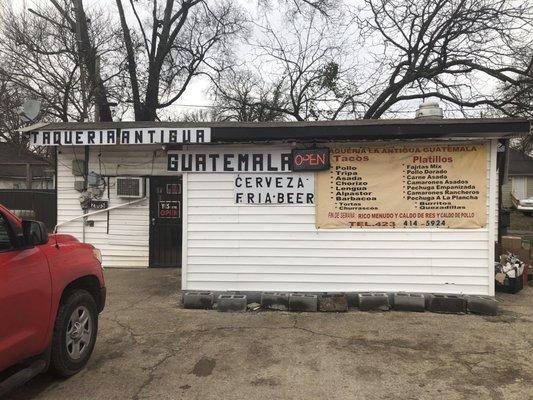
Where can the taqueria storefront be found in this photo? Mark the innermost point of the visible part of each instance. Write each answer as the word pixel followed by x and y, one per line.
pixel 334 206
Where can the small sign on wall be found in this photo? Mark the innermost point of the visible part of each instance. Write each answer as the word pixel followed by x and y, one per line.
pixel 289 189
pixel 168 209
pixel 99 204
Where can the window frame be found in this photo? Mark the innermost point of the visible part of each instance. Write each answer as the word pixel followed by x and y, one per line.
pixel 10 234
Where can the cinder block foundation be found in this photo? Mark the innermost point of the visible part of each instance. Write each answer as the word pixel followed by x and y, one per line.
pixel 353 300
pixel 482 305
pixel 275 301
pixel 409 302
pixel 303 302
pixel 374 302
pixel 231 303
pixel 334 302
pixel 198 300
pixel 446 303
pixel 251 297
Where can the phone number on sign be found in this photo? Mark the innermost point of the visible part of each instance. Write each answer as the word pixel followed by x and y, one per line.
pixel 398 224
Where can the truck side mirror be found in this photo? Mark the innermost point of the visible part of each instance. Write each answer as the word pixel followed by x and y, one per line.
pixel 34 233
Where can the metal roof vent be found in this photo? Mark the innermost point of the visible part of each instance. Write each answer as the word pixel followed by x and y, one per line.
pixel 429 110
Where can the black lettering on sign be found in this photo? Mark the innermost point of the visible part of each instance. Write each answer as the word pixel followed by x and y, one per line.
pixel 268 188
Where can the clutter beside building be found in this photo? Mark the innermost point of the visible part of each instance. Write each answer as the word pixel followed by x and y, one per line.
pixel 519 186
pixel 301 207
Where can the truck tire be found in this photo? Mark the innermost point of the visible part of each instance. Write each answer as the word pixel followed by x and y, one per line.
pixel 74 333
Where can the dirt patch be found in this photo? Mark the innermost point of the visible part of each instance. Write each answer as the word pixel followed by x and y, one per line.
pixel 204 367
pixel 265 382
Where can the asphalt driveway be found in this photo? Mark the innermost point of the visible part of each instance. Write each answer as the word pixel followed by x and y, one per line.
pixel 151 348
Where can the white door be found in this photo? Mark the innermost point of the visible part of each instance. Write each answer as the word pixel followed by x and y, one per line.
pixel 519 187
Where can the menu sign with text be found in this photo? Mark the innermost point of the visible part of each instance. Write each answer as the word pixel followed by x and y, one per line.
pixel 404 186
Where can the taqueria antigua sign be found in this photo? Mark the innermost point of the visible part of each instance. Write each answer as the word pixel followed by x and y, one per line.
pixel 122 136
pixel 404 186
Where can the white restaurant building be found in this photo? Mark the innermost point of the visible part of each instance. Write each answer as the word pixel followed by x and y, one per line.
pixel 336 206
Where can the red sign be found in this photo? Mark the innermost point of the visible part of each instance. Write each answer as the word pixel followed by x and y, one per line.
pixel 310 159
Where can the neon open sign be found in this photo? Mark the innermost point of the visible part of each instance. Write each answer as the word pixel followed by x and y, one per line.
pixel 316 159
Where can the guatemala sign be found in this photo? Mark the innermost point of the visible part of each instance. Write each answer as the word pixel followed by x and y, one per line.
pixel 230 161
pixel 274 188
pixel 124 136
pixel 404 186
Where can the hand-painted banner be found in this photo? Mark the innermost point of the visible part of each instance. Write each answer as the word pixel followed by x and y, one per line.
pixel 124 136
pixel 289 189
pixel 404 186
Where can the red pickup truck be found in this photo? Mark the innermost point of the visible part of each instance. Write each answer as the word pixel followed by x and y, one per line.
pixel 51 292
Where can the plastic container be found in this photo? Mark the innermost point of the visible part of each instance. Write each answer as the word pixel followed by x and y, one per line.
pixel 511 285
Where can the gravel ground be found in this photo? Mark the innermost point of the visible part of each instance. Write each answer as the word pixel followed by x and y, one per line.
pixel 151 348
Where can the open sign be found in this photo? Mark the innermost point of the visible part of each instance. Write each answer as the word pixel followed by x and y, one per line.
pixel 316 159
pixel 168 209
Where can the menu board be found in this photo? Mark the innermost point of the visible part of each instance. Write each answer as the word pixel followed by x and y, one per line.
pixel 404 186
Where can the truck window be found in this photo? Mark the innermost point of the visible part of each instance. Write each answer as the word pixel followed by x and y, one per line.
pixel 5 240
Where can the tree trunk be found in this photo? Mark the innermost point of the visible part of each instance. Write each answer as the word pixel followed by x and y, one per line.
pixel 89 59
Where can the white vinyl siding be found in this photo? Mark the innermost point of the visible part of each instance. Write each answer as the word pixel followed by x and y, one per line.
pixel 123 237
pixel 269 248
pixel 277 247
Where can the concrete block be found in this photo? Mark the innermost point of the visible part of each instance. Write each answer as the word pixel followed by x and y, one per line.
pixel 409 302
pixel 374 302
pixel 446 303
pixel 333 302
pixel 251 297
pixel 231 303
pixel 482 305
pixel 353 300
pixel 198 300
pixel 275 301
pixel 303 302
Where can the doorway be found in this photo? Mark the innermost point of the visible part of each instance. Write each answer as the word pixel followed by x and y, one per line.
pixel 165 221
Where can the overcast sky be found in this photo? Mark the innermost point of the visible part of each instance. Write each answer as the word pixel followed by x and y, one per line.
pixel 195 96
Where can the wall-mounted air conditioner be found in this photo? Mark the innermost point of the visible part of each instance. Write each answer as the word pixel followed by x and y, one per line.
pixel 131 187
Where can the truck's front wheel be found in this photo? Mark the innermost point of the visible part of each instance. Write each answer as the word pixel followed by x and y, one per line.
pixel 74 333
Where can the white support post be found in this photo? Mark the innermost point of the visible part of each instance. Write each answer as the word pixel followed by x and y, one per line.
pixel 493 190
pixel 184 228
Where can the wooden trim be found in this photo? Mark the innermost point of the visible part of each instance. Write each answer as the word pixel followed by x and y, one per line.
pixel 493 146
pixel 184 222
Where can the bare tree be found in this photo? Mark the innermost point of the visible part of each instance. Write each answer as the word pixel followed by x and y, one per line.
pixel 10 101
pixel 182 40
pixel 72 16
pixel 42 54
pixel 201 115
pixel 392 53
pixel 303 72
pixel 447 49
pixel 242 96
